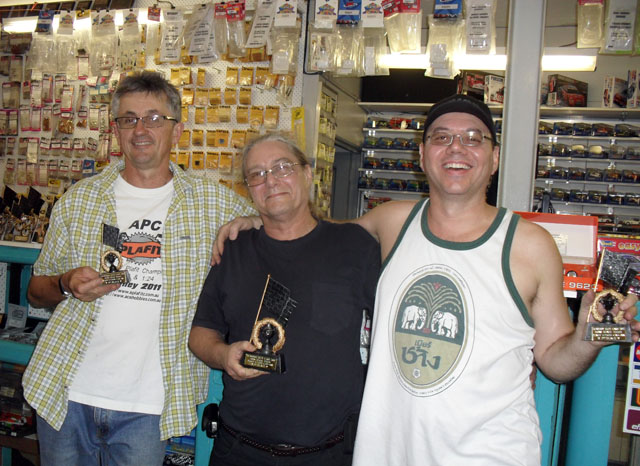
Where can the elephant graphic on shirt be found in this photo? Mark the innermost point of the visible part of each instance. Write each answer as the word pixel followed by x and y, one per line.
pixel 444 323
pixel 414 318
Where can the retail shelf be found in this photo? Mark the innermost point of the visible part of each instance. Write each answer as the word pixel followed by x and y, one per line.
pixel 589 138
pixel 591 113
pixel 390 151
pixel 403 107
pixel 373 131
pixel 374 171
pixel 15 353
pixel 388 192
pixel 20 253
pixel 588 160
pixel 619 184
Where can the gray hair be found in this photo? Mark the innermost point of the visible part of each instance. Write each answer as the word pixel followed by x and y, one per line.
pixel 150 82
pixel 280 136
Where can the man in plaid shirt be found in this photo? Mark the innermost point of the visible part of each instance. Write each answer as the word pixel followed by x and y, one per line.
pixel 112 377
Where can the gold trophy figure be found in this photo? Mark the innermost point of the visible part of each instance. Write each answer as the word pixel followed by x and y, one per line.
pixel 111 261
pixel 268 332
pixel 618 272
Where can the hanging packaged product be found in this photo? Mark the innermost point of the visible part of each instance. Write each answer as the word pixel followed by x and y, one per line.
pixel 590 23
pixel 102 51
pixel 619 27
pixel 197 32
pixel 349 51
pixel 481 27
pixel 349 44
pixel 130 44
pixel 322 36
pixel 42 56
pixel 374 43
pixel 322 45
pixel 447 9
pixel 263 19
pixel 66 45
pixel 235 22
pixel 446 38
pixel 402 21
pixel 171 33
pixel 285 39
pixel 325 14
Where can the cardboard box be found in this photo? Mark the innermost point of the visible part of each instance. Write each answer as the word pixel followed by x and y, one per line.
pixel 493 89
pixel 567 92
pixel 471 83
pixel 576 238
pixel 614 92
pixel 633 91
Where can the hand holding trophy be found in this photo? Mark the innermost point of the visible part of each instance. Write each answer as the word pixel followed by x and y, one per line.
pixel 268 332
pixel 111 261
pixel 618 274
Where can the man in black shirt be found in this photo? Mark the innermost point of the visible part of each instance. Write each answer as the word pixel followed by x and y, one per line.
pixel 307 414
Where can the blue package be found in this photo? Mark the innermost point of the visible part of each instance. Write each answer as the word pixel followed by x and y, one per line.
pixel 349 11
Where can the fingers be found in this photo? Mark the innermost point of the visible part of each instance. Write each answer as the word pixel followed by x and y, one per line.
pixel 86 284
pixel 233 367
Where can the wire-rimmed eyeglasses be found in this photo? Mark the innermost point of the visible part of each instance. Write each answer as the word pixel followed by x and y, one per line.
pixel 149 121
pixel 279 170
pixel 471 138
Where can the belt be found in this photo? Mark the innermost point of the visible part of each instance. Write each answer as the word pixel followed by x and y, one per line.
pixel 283 449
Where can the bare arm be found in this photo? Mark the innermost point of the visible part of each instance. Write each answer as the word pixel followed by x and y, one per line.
pixel 560 349
pixel 384 223
pixel 83 283
pixel 208 346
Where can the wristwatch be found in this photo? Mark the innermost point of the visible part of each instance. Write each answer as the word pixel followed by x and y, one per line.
pixel 65 293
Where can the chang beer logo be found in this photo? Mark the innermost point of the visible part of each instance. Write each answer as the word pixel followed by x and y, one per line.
pixel 432 330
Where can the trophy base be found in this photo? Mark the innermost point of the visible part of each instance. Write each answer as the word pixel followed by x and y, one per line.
pixel 263 362
pixel 608 332
pixel 115 278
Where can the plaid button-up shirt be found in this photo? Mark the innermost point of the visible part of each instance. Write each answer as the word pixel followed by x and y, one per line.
pixel 74 239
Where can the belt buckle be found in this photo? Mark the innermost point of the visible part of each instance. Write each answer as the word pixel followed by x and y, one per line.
pixel 285 446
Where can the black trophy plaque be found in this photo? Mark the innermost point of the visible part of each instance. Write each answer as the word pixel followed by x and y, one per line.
pixel 111 261
pixel 617 272
pixel 268 332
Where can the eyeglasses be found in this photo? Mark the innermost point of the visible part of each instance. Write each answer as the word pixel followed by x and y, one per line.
pixel 468 138
pixel 150 121
pixel 279 170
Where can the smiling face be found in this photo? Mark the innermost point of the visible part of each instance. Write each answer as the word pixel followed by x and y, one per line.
pixel 147 149
pixel 278 198
pixel 458 169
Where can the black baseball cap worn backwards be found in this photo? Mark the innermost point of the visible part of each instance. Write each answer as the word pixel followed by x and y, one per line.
pixel 461 104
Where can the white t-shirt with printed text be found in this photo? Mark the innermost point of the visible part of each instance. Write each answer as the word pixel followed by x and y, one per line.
pixel 121 370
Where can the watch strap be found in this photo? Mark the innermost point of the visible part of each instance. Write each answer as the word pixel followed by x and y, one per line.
pixel 63 291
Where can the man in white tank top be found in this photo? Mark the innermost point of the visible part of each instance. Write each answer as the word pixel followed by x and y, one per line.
pixel 468 297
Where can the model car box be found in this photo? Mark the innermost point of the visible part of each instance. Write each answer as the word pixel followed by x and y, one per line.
pixel 567 92
pixel 614 92
pixel 472 83
pixel 493 89
pixel 633 91
pixel 576 238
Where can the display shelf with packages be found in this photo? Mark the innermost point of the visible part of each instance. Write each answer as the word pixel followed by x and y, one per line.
pixel 591 166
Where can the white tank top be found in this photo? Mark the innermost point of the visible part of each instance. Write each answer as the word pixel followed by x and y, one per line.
pixel 448 380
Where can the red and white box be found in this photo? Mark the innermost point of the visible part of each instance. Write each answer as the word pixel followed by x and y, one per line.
pixel 576 237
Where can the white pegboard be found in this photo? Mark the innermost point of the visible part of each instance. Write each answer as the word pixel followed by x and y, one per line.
pixel 215 77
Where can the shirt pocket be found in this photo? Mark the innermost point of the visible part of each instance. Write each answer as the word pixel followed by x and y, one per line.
pixel 333 307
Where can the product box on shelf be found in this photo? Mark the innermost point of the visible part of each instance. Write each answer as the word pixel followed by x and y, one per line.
pixel 576 238
pixel 493 89
pixel 567 92
pixel 633 91
pixel 472 83
pixel 614 93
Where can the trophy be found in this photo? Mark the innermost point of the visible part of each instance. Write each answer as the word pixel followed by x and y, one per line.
pixel 111 261
pixel 618 272
pixel 268 332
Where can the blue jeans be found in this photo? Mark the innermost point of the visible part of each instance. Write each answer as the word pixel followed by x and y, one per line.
pixel 94 436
